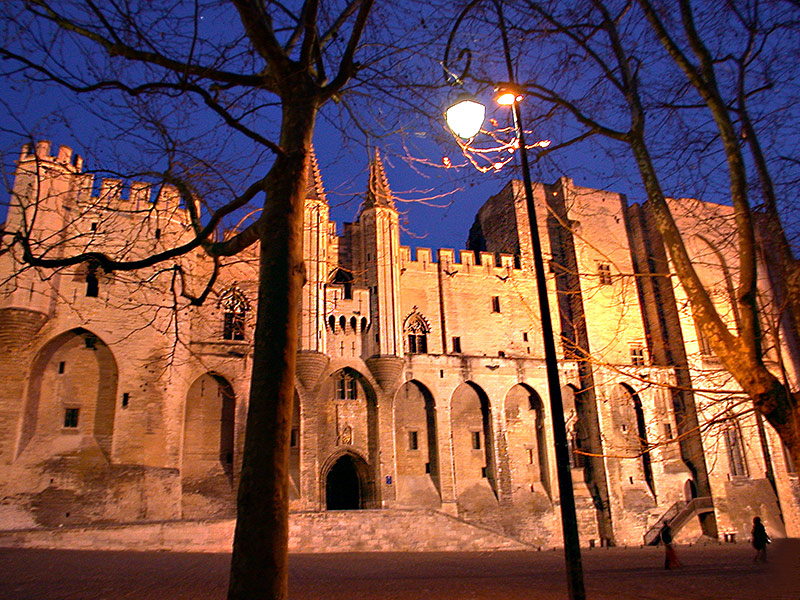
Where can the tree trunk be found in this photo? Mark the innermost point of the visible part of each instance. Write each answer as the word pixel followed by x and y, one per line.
pixel 259 565
pixel 741 356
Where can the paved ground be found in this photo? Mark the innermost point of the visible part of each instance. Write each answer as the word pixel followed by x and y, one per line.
pixel 719 572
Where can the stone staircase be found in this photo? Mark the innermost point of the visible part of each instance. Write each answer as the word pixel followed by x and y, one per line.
pixel 388 530
pixel 677 516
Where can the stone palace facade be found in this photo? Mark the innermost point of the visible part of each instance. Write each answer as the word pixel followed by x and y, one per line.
pixel 420 381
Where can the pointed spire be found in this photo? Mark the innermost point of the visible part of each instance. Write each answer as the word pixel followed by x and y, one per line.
pixel 378 192
pixel 314 188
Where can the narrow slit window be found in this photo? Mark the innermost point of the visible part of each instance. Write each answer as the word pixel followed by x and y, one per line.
pixel 92 282
pixel 496 304
pixel 476 440
pixel 413 440
pixel 457 345
pixel 733 440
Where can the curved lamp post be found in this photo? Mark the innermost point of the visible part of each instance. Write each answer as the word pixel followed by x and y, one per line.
pixel 465 119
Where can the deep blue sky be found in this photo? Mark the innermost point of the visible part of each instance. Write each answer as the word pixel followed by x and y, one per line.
pixel 438 204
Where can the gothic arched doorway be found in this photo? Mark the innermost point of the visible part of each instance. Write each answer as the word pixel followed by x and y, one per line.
pixel 346 485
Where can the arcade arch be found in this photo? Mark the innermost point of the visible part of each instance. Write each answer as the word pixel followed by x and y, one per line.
pixel 527 439
pixel 348 424
pixel 631 431
pixel 208 428
pixel 473 439
pixel 72 387
pixel 417 446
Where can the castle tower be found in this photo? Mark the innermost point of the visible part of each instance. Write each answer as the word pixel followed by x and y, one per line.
pixel 316 249
pixel 380 252
pixel 43 185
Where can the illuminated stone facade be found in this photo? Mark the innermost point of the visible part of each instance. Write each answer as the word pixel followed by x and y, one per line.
pixel 420 379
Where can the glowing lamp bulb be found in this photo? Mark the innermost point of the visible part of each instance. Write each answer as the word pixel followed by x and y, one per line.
pixel 465 117
pixel 507 98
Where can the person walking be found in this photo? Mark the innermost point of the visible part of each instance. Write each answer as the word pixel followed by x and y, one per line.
pixel 670 556
pixel 760 539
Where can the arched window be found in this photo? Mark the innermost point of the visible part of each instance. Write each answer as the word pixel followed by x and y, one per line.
pixel 234 306
pixel 416 330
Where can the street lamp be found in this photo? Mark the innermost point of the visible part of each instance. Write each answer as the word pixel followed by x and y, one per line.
pixel 508 95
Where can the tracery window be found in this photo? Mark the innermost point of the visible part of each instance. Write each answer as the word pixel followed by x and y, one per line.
pixel 234 306
pixel 416 330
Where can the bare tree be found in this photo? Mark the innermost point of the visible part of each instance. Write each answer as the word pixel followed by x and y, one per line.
pixel 263 70
pixel 674 85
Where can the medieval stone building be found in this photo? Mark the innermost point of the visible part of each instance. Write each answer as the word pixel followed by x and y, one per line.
pixel 420 380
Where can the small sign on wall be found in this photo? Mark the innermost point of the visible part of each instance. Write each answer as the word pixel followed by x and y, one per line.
pixel 388 480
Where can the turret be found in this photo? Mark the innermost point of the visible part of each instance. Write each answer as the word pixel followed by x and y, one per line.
pixel 316 255
pixel 380 256
pixel 44 189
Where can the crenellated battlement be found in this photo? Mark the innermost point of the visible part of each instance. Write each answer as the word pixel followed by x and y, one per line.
pixel 42 153
pixel 488 261
pixel 112 193
pixel 138 196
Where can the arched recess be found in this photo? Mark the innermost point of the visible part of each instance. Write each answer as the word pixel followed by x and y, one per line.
pixel 416 438
pixel 575 422
pixel 207 458
pixel 348 422
pixel 473 444
pixel 72 387
pixel 631 430
pixel 347 482
pixel 527 439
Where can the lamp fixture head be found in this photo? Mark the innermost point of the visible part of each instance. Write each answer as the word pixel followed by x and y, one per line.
pixel 506 94
pixel 465 116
